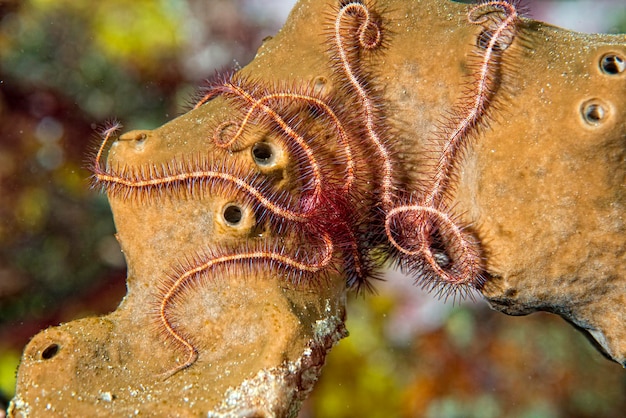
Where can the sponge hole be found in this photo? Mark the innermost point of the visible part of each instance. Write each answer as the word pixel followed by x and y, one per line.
pixel 233 214
pixel 264 154
pixel 593 112
pixel 50 351
pixel 612 64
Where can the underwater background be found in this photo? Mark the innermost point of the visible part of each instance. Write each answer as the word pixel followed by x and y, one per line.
pixel 67 66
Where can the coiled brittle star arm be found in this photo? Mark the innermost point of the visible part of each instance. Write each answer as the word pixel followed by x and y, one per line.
pixel 458 261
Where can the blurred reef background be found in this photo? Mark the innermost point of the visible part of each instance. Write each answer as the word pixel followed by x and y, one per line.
pixel 67 66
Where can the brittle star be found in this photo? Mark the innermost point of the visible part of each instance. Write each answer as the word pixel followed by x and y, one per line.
pixel 324 207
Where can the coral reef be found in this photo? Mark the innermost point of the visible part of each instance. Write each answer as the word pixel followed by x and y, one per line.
pixel 477 150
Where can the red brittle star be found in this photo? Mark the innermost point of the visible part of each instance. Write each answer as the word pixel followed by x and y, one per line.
pixel 421 232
